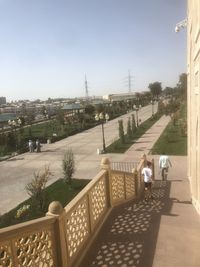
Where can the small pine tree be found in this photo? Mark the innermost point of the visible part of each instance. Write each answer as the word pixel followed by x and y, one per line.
pixel 129 132
pixel 133 125
pixel 121 131
pixel 68 165
pixel 11 140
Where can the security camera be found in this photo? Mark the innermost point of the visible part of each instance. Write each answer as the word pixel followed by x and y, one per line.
pixel 182 24
pixel 177 29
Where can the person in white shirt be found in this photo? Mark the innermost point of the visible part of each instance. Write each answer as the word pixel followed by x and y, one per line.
pixel 164 163
pixel 30 145
pixel 147 175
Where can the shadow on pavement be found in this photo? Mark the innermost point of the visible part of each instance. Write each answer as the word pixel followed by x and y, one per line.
pixel 128 237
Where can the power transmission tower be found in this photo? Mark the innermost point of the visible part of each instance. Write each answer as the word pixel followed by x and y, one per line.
pixel 129 81
pixel 86 88
pixel 130 78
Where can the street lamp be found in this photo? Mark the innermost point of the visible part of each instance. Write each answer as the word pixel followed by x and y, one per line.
pixel 152 103
pixel 13 124
pixel 19 122
pixel 102 118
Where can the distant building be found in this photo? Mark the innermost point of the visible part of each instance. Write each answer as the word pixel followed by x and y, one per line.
pixel 71 109
pixel 119 97
pixel 2 100
pixel 5 117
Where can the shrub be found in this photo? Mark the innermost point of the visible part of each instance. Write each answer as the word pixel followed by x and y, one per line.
pixel 129 131
pixel 133 124
pixel 22 211
pixel 36 187
pixel 68 165
pixel 121 131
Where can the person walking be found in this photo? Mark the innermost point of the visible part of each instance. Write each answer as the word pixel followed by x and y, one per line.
pixel 30 145
pixel 38 146
pixel 164 163
pixel 147 176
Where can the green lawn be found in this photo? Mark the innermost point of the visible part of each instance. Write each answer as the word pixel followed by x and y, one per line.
pixel 59 191
pixel 118 147
pixel 173 140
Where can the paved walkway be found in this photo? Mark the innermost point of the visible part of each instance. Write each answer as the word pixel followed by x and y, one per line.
pixel 165 232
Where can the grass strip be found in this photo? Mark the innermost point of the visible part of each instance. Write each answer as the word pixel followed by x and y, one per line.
pixel 172 141
pixel 118 147
pixel 58 191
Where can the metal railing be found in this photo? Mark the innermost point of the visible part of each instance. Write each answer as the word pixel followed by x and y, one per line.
pixel 123 166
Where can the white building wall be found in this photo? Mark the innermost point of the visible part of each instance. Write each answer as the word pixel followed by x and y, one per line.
pixel 193 57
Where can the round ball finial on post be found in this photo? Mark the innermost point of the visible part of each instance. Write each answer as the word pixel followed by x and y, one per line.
pixel 144 157
pixel 55 208
pixel 105 164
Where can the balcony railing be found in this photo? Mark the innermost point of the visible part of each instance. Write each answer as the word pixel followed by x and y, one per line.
pixel 123 166
pixel 62 237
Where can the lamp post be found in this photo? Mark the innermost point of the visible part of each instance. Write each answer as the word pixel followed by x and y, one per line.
pixel 13 124
pixel 152 103
pixel 102 118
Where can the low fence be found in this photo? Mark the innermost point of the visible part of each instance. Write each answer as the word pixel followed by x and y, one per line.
pixel 123 166
pixel 62 237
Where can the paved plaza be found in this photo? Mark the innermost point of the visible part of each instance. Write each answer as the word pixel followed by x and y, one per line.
pixel 16 172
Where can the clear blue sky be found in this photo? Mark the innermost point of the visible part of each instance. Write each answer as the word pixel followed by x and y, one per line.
pixel 47 46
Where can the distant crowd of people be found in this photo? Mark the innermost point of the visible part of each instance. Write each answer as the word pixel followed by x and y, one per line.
pixel 34 146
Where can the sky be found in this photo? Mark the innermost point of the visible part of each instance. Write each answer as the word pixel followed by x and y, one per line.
pixel 48 46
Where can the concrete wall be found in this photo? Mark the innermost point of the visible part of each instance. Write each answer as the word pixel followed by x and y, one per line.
pixel 193 58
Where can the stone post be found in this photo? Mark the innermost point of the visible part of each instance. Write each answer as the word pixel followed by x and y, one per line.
pixel 56 210
pixel 135 177
pixel 105 165
pixel 153 169
pixel 144 157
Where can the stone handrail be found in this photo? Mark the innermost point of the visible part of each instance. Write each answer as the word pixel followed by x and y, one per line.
pixel 62 237
pixel 30 243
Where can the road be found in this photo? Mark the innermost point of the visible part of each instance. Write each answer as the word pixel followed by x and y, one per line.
pixel 18 171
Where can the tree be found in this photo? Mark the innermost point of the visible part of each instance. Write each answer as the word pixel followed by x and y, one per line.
pixel 11 140
pixel 133 124
pixel 60 116
pixel 168 91
pixel 68 165
pixel 155 88
pixel 99 108
pixel 89 109
pixel 121 131
pixel 182 85
pixel 129 132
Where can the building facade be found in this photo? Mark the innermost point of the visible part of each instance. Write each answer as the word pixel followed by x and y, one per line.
pixel 2 100
pixel 193 69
